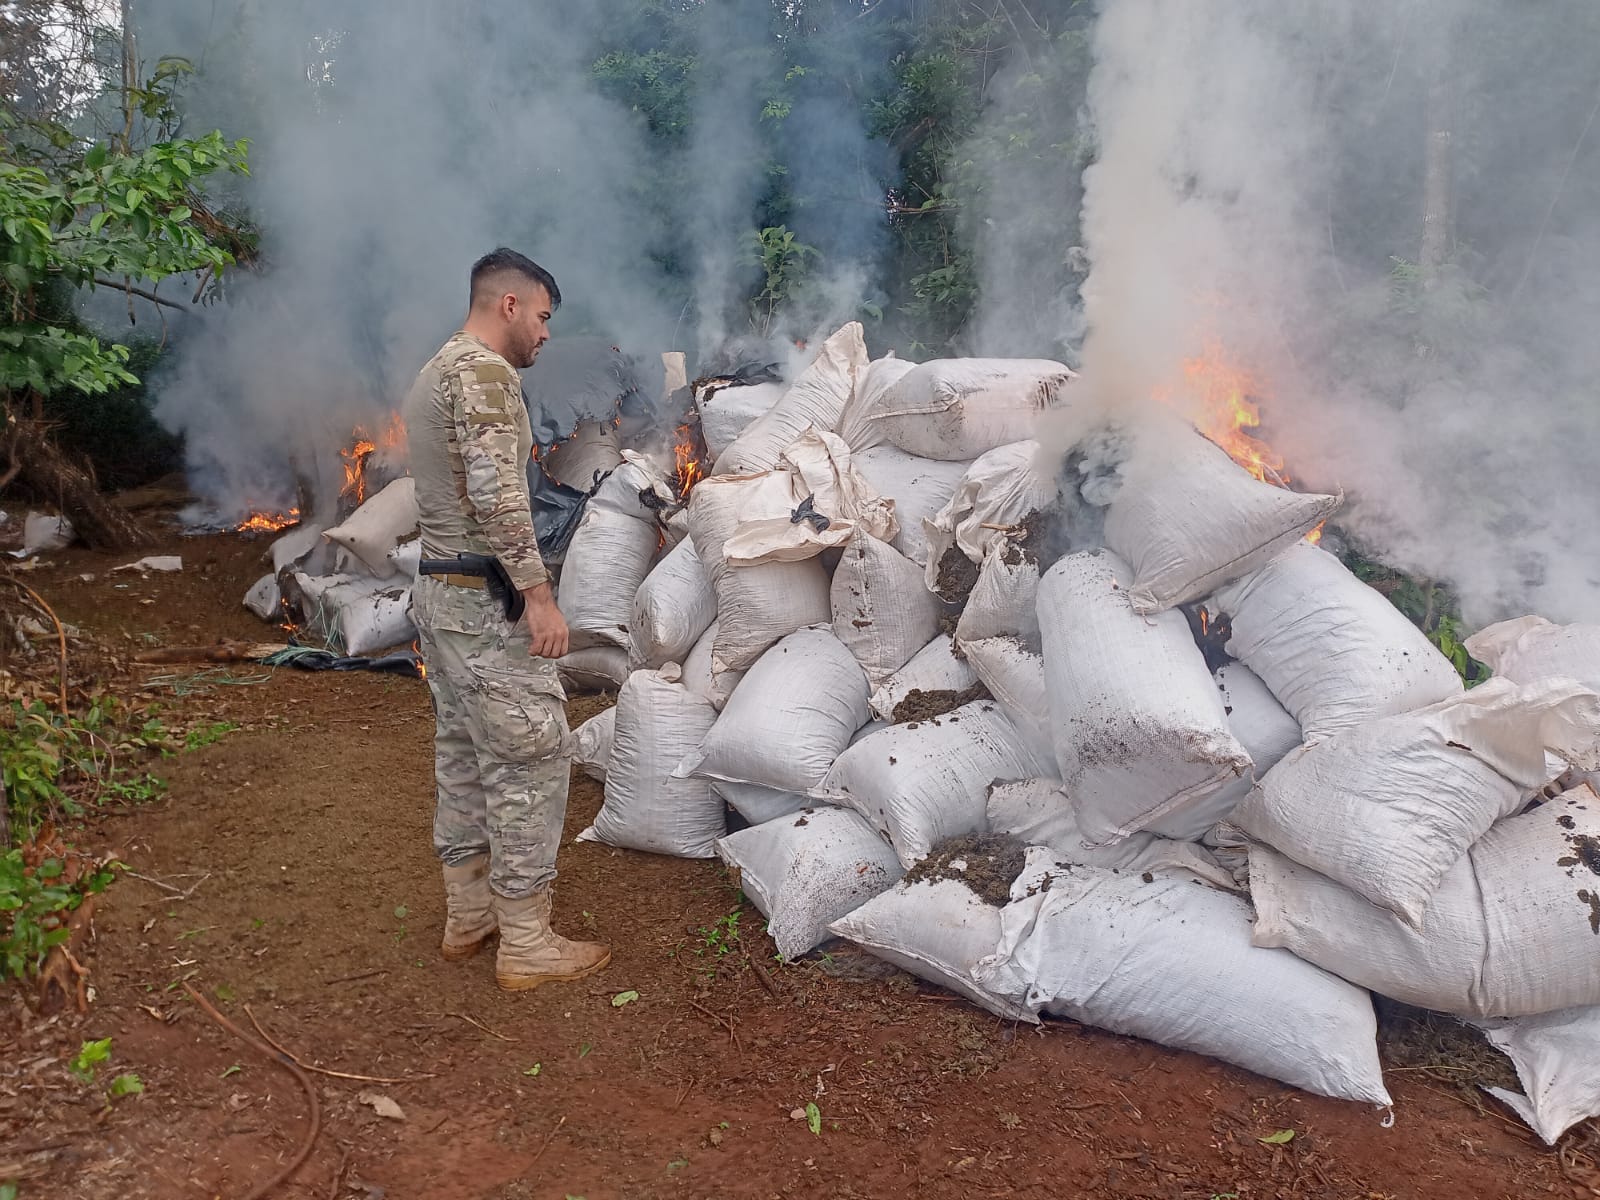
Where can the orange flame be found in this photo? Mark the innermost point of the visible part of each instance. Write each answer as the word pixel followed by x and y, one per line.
pixel 686 466
pixel 355 466
pixel 422 667
pixel 268 522
pixel 1220 393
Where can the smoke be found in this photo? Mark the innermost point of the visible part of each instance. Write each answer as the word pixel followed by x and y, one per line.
pixel 1260 181
pixel 393 144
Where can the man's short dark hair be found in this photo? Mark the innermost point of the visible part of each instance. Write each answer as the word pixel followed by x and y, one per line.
pixel 497 267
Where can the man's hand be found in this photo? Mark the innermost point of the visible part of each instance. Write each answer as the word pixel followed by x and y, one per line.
pixel 547 628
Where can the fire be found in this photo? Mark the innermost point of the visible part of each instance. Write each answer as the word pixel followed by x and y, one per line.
pixel 394 435
pixel 687 466
pixel 1220 393
pixel 268 522
pixel 422 667
pixel 355 458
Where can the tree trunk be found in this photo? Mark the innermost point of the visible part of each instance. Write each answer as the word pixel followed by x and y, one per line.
pixel 50 475
pixel 1438 180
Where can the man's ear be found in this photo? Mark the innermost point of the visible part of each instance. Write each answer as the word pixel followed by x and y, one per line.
pixel 508 306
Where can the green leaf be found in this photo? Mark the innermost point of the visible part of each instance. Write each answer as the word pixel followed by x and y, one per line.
pixel 233 1070
pixel 126 1085
pixel 401 912
pixel 583 1050
pixel 1282 1138
pixel 622 998
pixel 180 215
pixel 535 1069
pixel 224 992
pixel 814 1119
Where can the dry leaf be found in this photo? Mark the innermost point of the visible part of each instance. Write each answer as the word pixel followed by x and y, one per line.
pixel 382 1105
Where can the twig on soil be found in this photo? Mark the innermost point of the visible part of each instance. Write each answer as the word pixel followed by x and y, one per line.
pixel 684 1095
pixel 479 1024
pixel 548 1140
pixel 356 976
pixel 725 1022
pixel 338 1176
pixel 322 1070
pixel 167 887
pixel 764 979
pixel 61 637
pixel 287 1062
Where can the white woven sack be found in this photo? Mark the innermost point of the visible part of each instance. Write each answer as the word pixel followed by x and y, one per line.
pixel 596 669
pixel 793 713
pixel 1188 519
pixel 757 804
pixel 645 807
pixel 815 476
pixel 405 558
pixel 1334 652
pixel 756 606
pixel 698 676
pixel 1388 807
pixel 264 598
pixel 637 488
pixel 807 870
pixel 1265 730
pixel 997 491
pixel 302 547
pixel 881 612
pixel 671 609
pixel 608 558
pixel 355 614
pixel 919 487
pixel 593 740
pixel 958 408
pixel 1510 931
pixel 726 412
pixel 873 381
pixel 938 931
pixel 384 521
pixel 1038 812
pixel 1557 1057
pixel 934 668
pixel 1138 725
pixel 1529 649
pixel 1003 601
pixel 815 399
pixel 1014 676
pixel 1162 958
pixel 925 781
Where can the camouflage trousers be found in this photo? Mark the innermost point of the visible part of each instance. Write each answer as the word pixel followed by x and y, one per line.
pixel 501 749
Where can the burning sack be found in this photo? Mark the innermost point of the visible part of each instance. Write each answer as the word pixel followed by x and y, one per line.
pixel 1334 652
pixel 925 781
pixel 353 614
pixel 881 612
pixel 812 501
pixel 672 608
pixel 1388 807
pixel 1532 649
pixel 808 870
pixel 646 807
pixel 1158 957
pixel 1557 1057
pixel 934 668
pixel 374 531
pixel 959 408
pixel 757 605
pixel 938 930
pixel 856 425
pixel 1187 518
pixel 302 548
pixel 265 598
pixel 998 490
pixel 1510 931
pixel 815 399
pixel 792 714
pixel 1138 725
pixel 1038 813
pixel 727 411
pixel 918 487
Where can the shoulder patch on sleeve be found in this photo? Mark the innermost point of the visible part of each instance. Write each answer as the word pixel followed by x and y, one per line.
pixel 490 372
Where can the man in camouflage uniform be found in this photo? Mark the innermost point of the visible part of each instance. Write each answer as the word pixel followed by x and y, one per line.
pixel 502 750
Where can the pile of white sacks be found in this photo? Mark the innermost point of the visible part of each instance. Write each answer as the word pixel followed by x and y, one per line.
pixel 1230 863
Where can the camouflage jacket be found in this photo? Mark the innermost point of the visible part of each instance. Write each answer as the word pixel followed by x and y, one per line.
pixel 470 442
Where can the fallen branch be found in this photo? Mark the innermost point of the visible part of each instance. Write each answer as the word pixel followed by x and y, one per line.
pixel 225 651
pixel 267 1037
pixel 61 637
pixel 548 1140
pixel 176 893
pixel 762 977
pixel 287 1062
pixel 141 293
pixel 479 1024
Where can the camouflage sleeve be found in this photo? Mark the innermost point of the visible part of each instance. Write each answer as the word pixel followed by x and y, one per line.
pixel 487 408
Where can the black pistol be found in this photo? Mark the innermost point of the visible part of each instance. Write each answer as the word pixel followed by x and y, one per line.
pixel 486 567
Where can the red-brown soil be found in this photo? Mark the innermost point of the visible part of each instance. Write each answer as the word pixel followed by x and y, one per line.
pixel 318 907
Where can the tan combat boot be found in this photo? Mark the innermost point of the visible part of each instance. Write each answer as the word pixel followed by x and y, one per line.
pixel 532 953
pixel 469 908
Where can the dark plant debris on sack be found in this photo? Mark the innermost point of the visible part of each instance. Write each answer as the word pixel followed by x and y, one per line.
pixel 919 705
pixel 987 863
pixel 957 575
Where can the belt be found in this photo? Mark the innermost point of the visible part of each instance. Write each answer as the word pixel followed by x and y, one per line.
pixel 476 582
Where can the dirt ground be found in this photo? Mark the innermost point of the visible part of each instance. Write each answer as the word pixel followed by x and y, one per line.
pixel 289 878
